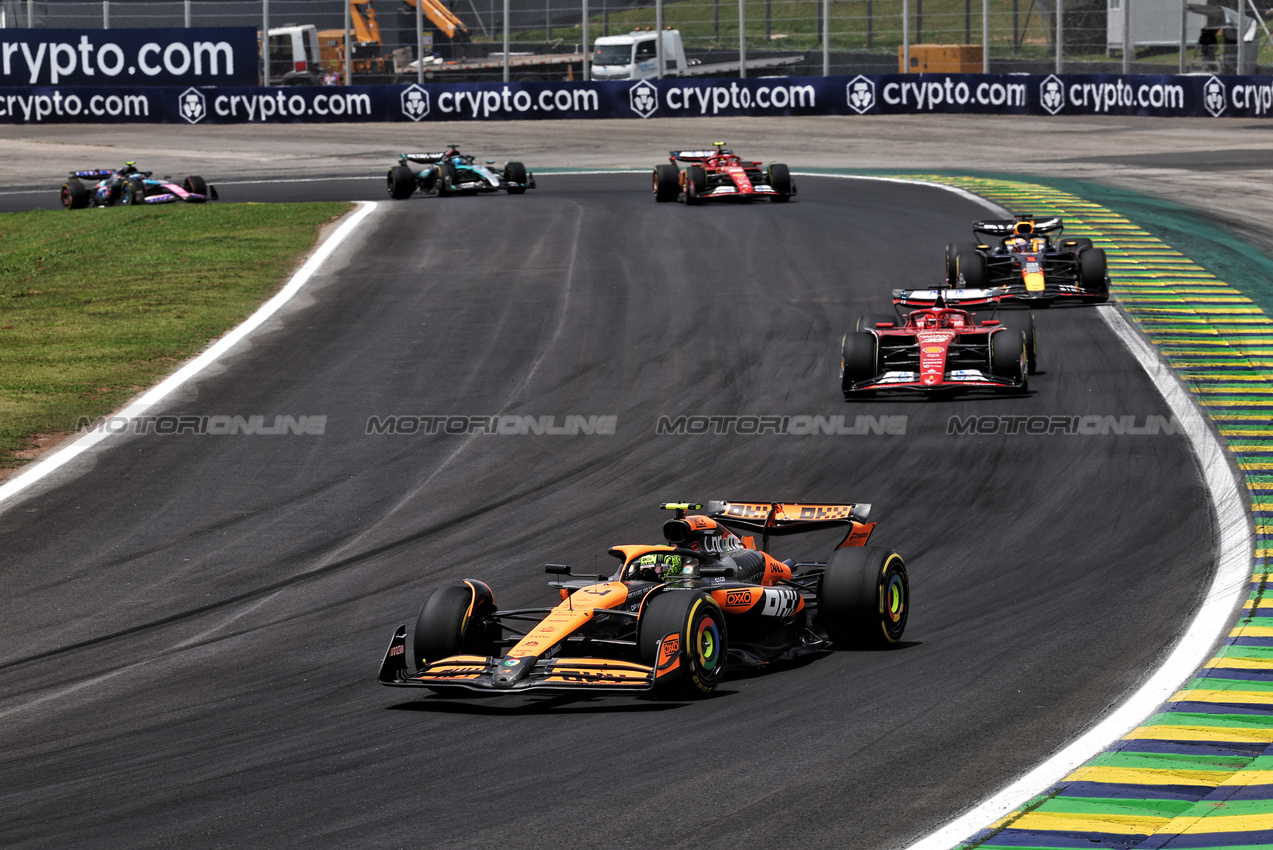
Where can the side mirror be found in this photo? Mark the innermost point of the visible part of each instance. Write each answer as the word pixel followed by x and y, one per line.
pixel 557 569
pixel 989 323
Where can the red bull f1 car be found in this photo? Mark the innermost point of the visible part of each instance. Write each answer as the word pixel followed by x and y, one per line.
pixel 720 175
pixel 938 349
pixel 1025 261
pixel 129 186
pixel 672 616
pixel 450 172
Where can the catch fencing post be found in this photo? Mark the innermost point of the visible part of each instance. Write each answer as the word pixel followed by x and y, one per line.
pixel 587 70
pixel 660 60
pixel 985 36
pixel 826 38
pixel 506 47
pixel 106 14
pixel 265 42
pixel 1127 36
pixel 187 5
pixel 742 39
pixel 1241 37
pixel 348 57
pixel 419 42
pixel 1058 31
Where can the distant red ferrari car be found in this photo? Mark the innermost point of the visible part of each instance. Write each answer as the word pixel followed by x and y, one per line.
pixel 719 175
pixel 936 349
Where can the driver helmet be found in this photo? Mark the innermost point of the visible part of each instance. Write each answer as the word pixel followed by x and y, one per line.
pixel 659 566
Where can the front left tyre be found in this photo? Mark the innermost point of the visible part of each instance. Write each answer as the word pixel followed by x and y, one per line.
pixel 682 635
pixel 515 177
pixel 780 180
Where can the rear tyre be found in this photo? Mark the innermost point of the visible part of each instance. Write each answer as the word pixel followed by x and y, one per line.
pixel 74 195
pixel 864 598
pixel 1008 356
pixel 400 181
pixel 964 258
pixel 1024 322
pixel 515 176
pixel 666 183
pixel 447 178
pixel 780 180
pixel 445 627
pixel 868 321
pixel 857 360
pixel 1093 269
pixel 693 666
pixel 695 184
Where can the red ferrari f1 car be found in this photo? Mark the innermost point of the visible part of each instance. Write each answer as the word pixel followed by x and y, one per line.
pixel 672 616
pixel 938 349
pixel 1027 262
pixel 719 175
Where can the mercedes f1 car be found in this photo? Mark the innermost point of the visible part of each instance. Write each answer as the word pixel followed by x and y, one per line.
pixel 127 185
pixel 938 349
pixel 450 172
pixel 672 616
pixel 719 175
pixel 1027 262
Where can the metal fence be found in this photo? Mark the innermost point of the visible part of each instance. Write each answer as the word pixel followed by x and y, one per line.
pixel 815 36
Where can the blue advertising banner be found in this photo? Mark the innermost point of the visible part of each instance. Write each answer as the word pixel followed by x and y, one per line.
pixel 211 56
pixel 879 94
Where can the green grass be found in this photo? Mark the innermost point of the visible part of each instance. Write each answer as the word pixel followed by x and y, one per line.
pixel 96 305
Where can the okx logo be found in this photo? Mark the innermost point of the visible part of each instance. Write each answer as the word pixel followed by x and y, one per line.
pixel 1052 94
pixel 861 94
pixel 415 102
pixel 644 99
pixel 1213 96
pixel 193 105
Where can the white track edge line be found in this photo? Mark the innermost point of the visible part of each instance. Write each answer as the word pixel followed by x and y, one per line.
pixel 60 457
pixel 1223 596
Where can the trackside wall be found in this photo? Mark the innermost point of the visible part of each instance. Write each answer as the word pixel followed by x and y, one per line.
pixel 878 94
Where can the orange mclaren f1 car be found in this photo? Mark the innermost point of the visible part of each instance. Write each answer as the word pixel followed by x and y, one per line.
pixel 673 616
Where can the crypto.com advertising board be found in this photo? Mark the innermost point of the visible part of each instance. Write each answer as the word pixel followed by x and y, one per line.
pixel 878 94
pixel 65 59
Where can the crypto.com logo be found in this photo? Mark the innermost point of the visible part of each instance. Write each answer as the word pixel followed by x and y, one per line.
pixel 644 99
pixel 861 94
pixel 1214 96
pixel 193 105
pixel 415 102
pixel 1052 94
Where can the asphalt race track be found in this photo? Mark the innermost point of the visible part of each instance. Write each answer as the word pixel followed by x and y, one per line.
pixel 190 629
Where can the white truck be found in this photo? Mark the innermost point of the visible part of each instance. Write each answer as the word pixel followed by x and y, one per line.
pixel 633 56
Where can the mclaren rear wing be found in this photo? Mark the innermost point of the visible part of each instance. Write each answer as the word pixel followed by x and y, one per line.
pixel 781 518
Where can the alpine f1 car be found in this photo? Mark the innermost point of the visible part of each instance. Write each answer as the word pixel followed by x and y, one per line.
pixel 672 616
pixel 938 349
pixel 1027 262
pixel 719 175
pixel 127 185
pixel 450 172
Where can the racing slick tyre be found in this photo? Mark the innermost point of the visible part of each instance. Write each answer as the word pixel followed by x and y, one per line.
pixel 857 360
pixel 1008 356
pixel 1024 322
pixel 445 628
pixel 963 258
pixel 400 181
pixel 74 195
pixel 197 185
pixel 515 173
pixel 133 192
pixel 667 183
pixel 447 178
pixel 864 597
pixel 780 180
pixel 1093 269
pixel 693 662
pixel 695 184
pixel 868 321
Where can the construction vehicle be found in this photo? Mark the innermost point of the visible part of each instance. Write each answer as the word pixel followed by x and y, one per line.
pixel 633 56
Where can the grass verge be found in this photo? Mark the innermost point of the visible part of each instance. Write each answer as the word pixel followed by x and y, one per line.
pixel 97 305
